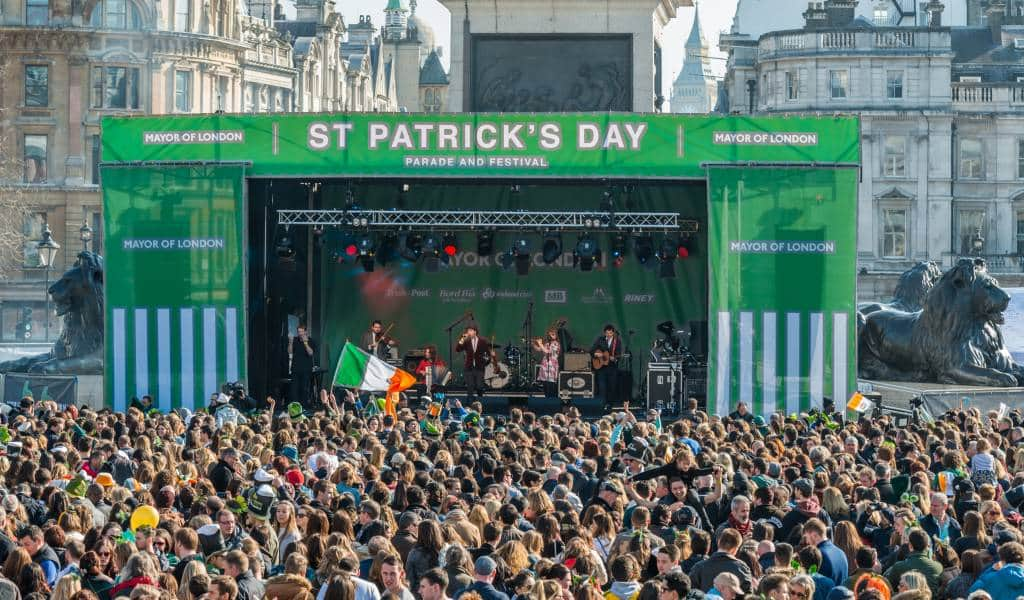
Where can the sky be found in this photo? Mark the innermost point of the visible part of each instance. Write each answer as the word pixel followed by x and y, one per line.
pixel 715 16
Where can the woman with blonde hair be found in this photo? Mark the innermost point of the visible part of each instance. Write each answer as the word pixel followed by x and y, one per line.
pixel 801 587
pixel 288 530
pixel 66 587
pixel 833 502
pixel 192 569
pixel 913 586
pixel 538 504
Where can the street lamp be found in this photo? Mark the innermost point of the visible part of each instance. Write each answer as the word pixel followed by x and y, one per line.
pixel 85 233
pixel 48 248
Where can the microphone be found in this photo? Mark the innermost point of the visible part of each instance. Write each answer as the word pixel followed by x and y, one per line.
pixel 632 331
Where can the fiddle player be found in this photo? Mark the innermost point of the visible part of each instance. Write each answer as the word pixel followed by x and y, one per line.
pixel 377 342
pixel 607 348
pixel 548 372
pixel 478 353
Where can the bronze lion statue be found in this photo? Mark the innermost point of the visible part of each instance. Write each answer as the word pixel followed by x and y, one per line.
pixel 953 339
pixel 78 298
pixel 910 290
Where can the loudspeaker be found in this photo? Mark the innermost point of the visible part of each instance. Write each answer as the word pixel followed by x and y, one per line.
pixel 699 338
pixel 575 383
pixel 577 361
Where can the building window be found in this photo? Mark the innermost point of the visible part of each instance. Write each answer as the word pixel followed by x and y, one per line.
pixel 792 85
pixel 839 82
pixel 115 87
pixel 895 156
pixel 181 14
pixel 182 91
pixel 35 158
pixel 37 85
pixel 95 160
pixel 894 84
pixel 972 231
pixel 881 14
pixel 33 228
pixel 115 14
pixel 971 163
pixel 894 233
pixel 37 12
pixel 1020 233
pixel 220 94
pixel 1020 158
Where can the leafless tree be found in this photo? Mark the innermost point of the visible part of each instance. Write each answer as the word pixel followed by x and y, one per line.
pixel 13 203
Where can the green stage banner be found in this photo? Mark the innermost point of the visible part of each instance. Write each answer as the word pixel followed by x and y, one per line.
pixel 782 298
pixel 481 145
pixel 175 309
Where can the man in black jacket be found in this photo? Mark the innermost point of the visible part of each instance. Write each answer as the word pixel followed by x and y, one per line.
pixel 223 472
pixel 807 507
pixel 236 566
pixel 723 561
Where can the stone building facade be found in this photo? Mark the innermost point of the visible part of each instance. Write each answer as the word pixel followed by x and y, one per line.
pixel 942 125
pixel 67 64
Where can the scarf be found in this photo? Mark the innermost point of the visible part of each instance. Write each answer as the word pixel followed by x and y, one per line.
pixel 745 529
pixel 809 506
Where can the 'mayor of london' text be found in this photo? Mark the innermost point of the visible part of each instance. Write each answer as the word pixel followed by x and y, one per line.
pixel 173 244
pixel 783 247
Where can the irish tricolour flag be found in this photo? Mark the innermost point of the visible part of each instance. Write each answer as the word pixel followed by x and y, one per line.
pixel 361 370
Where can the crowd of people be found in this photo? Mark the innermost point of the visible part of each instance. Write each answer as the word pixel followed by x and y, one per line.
pixel 347 503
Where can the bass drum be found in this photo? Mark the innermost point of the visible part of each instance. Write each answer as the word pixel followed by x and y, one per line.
pixel 497 375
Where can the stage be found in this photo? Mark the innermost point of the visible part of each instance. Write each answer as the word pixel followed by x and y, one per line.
pixel 938 398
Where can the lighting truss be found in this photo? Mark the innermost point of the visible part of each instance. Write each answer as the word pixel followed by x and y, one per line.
pixel 490 220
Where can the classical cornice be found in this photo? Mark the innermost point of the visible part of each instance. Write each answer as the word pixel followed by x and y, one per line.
pixel 40 39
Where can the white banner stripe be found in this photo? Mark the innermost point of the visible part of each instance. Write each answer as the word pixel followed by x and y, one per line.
pixel 141 352
pixel 793 363
pixel 769 389
pixel 163 357
pixel 747 358
pixel 119 357
pixel 209 352
pixel 231 343
pixel 724 359
pixel 188 359
pixel 817 354
pixel 840 391
pixel 377 376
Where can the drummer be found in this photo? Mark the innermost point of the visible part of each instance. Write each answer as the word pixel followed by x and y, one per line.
pixel 432 369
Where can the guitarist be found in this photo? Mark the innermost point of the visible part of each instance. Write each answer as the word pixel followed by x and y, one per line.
pixel 606 352
pixel 478 355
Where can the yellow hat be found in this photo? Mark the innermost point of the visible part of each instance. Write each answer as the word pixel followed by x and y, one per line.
pixel 105 479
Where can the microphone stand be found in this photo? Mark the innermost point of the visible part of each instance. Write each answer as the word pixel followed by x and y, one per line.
pixel 451 326
pixel 528 334
pixel 629 361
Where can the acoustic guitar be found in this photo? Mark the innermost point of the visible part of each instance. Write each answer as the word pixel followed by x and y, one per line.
pixel 601 359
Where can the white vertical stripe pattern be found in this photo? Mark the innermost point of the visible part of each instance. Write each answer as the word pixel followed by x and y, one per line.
pixel 723 358
pixel 119 356
pixel 188 359
pixel 817 354
pixel 141 352
pixel 792 363
pixel 209 352
pixel 769 390
pixel 163 357
pixel 231 343
pixel 747 358
pixel 839 358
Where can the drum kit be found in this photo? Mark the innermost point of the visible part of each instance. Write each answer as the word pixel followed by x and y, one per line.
pixel 510 368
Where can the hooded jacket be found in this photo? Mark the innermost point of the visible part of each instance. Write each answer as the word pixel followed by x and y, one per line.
pixel 1007 582
pixel 623 590
pixel 804 510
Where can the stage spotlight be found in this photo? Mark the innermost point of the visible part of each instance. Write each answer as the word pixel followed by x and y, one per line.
pixel 450 244
pixel 285 246
pixel 413 248
pixel 552 249
pixel 587 252
pixel 507 259
pixel 387 248
pixel 618 248
pixel 521 248
pixel 366 245
pixel 351 249
pixel 687 246
pixel 431 245
pixel 485 243
pixel 367 262
pixel 667 254
pixel 643 249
